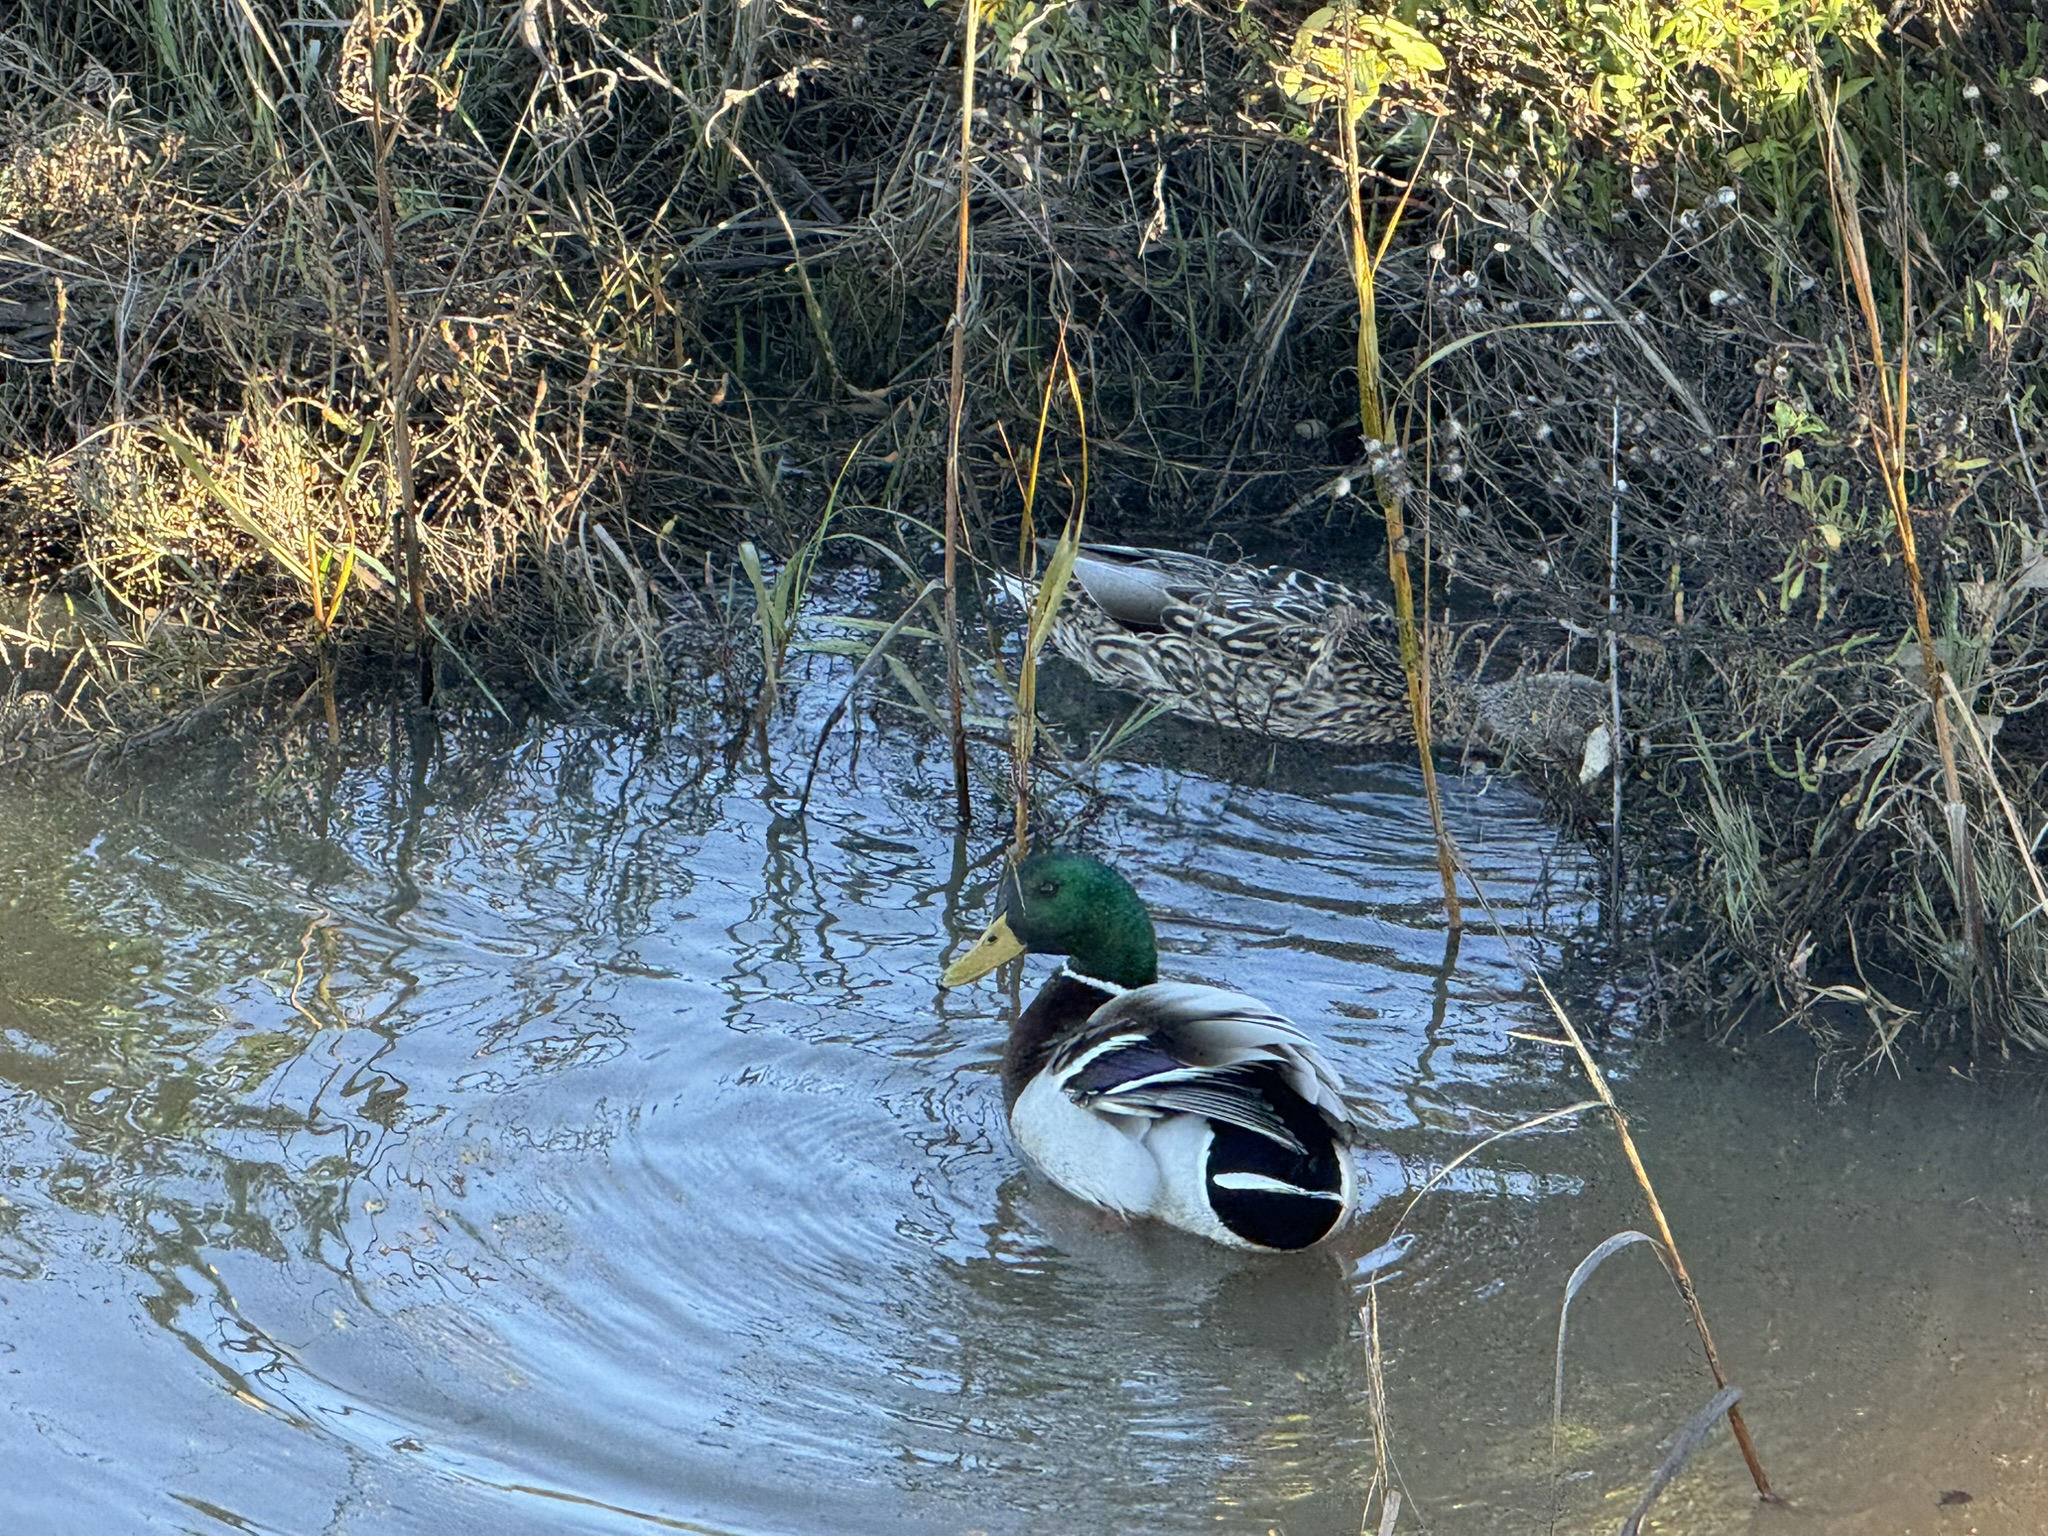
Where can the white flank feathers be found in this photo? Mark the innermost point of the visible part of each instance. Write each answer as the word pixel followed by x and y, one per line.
pixel 1126 1151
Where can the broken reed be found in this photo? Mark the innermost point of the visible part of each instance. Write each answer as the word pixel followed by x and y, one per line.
pixel 1679 1274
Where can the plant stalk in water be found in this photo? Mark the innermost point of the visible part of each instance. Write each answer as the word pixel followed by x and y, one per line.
pixel 1049 593
pixel 1378 429
pixel 384 127
pixel 1614 744
pixel 956 408
pixel 1605 1097
pixel 1679 1273
pixel 1888 444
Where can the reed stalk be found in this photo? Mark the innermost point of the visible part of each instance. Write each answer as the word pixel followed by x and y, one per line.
pixel 1382 1484
pixel 1377 427
pixel 956 410
pixel 1679 1274
pixel 326 609
pixel 1668 1241
pixel 1614 745
pixel 1888 446
pixel 384 128
pixel 1048 594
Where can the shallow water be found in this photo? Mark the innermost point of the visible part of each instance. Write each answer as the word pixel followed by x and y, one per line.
pixel 538 1131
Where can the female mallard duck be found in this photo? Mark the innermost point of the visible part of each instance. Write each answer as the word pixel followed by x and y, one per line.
pixel 1284 653
pixel 1198 1107
pixel 1253 648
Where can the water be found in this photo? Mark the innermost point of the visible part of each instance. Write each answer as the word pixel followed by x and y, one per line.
pixel 535 1131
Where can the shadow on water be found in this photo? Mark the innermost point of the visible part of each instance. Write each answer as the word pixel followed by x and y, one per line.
pixel 534 1129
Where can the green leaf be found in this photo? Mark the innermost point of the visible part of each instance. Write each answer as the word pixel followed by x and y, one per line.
pixel 1411 47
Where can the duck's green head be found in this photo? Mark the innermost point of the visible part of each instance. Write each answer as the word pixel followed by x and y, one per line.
pixel 1060 903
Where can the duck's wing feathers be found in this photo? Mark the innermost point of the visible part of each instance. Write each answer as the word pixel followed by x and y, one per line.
pixel 1177 1048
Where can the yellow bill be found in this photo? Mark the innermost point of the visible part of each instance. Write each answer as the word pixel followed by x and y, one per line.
pixel 995 945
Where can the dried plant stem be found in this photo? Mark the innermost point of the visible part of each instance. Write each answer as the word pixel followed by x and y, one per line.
pixel 1679 1272
pixel 1376 1396
pixel 1614 744
pixel 1050 592
pixel 1376 426
pixel 2021 843
pixel 399 363
pixel 956 409
pixel 1888 444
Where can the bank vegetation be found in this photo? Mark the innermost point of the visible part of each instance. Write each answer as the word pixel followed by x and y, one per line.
pixel 480 342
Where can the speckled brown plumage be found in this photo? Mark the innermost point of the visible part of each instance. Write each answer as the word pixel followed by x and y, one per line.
pixel 1262 649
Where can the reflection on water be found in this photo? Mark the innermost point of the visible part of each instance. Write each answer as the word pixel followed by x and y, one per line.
pixel 539 1130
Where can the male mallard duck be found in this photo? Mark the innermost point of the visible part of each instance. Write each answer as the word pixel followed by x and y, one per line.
pixel 1198 1107
pixel 1250 647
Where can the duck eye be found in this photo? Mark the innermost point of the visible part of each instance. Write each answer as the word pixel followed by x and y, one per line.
pixel 1048 888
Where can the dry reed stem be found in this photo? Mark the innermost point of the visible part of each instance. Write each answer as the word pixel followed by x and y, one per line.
pixel 1049 593
pixel 1614 744
pixel 399 363
pixel 1382 1483
pixel 1679 1273
pixel 1888 446
pixel 1376 427
pixel 956 409
pixel 2012 819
